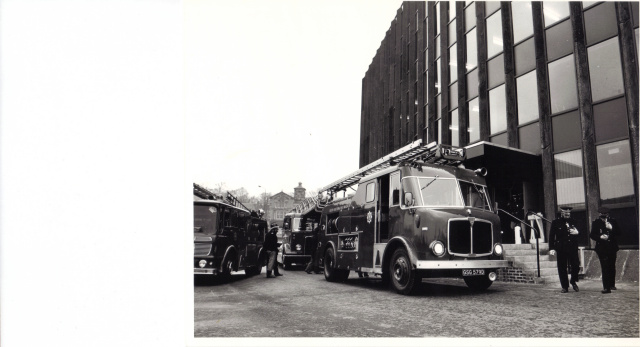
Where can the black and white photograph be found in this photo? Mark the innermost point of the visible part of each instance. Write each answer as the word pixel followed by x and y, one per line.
pixel 355 172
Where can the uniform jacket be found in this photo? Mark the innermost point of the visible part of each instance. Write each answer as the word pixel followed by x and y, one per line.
pixel 559 237
pixel 598 228
pixel 271 241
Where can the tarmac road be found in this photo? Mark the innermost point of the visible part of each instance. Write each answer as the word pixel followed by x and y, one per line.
pixel 302 305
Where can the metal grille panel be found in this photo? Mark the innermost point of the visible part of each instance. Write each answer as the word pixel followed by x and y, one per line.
pixel 465 239
pixel 200 249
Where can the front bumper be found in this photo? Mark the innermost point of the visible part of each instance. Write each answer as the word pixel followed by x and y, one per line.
pixel 461 264
pixel 204 271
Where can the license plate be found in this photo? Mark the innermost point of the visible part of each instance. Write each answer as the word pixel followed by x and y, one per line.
pixel 473 272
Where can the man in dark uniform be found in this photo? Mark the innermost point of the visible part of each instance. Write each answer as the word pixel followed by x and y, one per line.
pixel 563 241
pixel 271 246
pixel 312 265
pixel 605 231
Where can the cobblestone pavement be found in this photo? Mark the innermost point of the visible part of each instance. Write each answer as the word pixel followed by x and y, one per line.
pixel 302 305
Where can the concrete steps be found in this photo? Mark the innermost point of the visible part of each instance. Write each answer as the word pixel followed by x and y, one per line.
pixel 523 264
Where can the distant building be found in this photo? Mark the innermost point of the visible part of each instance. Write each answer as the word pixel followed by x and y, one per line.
pixel 279 205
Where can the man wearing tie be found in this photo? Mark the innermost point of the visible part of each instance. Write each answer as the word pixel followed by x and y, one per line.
pixel 563 242
pixel 605 231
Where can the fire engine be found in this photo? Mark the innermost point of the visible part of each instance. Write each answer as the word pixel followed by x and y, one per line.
pixel 416 213
pixel 298 227
pixel 227 236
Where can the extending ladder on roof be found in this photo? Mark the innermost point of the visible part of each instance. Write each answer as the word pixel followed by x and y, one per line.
pixel 204 193
pixel 413 153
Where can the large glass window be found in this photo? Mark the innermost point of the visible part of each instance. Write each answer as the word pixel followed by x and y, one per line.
pixel 494 34
pixel 562 84
pixel 471 58
pixel 452 32
pixel 453 95
pixel 438 76
pixel 559 40
pixel 437 47
pixel 496 71
pixel 438 18
pixel 522 20
pixel 569 179
pixel 614 172
pixel 470 17
pixel 529 136
pixel 453 63
pixel 600 22
pixel 525 57
pixel 554 11
pixel 605 70
pixel 610 120
pixel 502 139
pixel 497 109
pixel 491 6
pixel 472 84
pixel 527 88
pixel 474 120
pixel 455 134
pixel 566 131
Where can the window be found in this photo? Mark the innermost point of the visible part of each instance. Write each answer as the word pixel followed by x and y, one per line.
pixel 562 84
pixel 554 11
pixel 610 120
pixel 455 134
pixel 437 19
pixel 452 32
pixel 569 179
pixel 494 34
pixel 371 192
pixel 474 121
pixel 471 54
pixel 394 187
pixel 453 63
pixel 496 71
pixel 498 109
pixel 491 6
pixel 527 89
pixel 566 131
pixel 438 76
pixel 614 172
pixel 453 95
pixel 522 20
pixel 600 22
pixel 470 17
pixel 502 139
pixel 529 136
pixel 437 47
pixel 525 56
pixel 605 70
pixel 559 40
pixel 472 84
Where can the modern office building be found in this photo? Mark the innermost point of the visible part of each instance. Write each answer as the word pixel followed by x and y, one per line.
pixel 542 94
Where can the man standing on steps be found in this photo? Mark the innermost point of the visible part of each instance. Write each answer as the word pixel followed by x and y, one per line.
pixel 563 242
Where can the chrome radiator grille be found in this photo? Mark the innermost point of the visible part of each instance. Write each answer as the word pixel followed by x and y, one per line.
pixel 201 249
pixel 470 237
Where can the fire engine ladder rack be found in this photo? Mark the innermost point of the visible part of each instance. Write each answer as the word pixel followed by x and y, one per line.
pixel 204 193
pixel 413 153
pixel 305 205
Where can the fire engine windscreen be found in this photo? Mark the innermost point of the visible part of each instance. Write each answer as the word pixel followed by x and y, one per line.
pixel 205 219
pixel 475 195
pixel 439 192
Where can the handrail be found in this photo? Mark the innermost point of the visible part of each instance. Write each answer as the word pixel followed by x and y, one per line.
pixel 534 229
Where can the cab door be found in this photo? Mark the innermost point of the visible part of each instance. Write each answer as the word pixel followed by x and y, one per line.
pixel 367 223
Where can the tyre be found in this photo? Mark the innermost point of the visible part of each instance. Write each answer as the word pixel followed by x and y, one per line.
pixel 227 267
pixel 478 283
pixel 332 274
pixel 402 277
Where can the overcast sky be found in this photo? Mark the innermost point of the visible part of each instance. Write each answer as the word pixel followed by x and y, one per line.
pixel 273 89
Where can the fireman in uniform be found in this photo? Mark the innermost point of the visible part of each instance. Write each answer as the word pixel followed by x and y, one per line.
pixel 605 231
pixel 271 246
pixel 563 242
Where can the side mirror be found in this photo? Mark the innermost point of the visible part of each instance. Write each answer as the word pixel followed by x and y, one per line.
pixel 408 199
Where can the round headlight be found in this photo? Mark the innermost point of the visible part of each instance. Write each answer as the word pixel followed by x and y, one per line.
pixel 298 247
pixel 437 248
pixel 202 263
pixel 497 249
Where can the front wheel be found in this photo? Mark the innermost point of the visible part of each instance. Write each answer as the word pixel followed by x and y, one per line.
pixel 227 267
pixel 403 277
pixel 478 283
